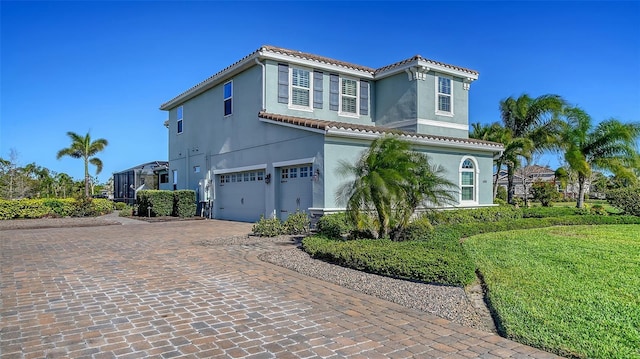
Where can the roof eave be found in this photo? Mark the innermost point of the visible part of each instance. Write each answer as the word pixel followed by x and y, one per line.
pixel 426 66
pixel 419 140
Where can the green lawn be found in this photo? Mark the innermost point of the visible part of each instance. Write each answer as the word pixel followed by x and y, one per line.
pixel 572 290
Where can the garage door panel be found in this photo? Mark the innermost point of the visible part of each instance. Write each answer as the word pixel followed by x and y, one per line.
pixel 240 196
pixel 295 192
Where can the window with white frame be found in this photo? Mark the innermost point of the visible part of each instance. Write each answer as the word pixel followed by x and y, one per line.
pixel 300 87
pixel 228 98
pixel 468 180
pixel 179 119
pixel 349 96
pixel 445 98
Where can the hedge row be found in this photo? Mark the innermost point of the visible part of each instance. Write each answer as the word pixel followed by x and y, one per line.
pixel 439 261
pixel 53 207
pixel 433 254
pixel 155 203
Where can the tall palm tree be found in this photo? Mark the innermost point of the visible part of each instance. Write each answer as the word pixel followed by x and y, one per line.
pixel 514 148
pixel 83 147
pixel 533 122
pixel 390 181
pixel 609 146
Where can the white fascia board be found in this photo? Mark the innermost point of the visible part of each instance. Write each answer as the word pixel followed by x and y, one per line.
pixel 415 140
pixel 422 121
pixel 457 126
pixel 314 64
pixel 299 161
pixel 432 67
pixel 211 82
pixel 261 166
pixel 298 127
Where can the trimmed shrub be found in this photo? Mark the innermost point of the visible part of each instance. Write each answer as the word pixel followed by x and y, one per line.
pixel 101 206
pixel 184 204
pixel 120 206
pixel 626 199
pixel 297 223
pixel 127 211
pixel 418 229
pixel 334 225
pixel 159 202
pixel 486 214
pixel 544 192
pixel 53 207
pixel 268 227
pixel 439 261
pixel 542 212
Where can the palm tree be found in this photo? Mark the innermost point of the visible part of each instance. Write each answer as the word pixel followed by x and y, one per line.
pixel 391 181
pixel 610 146
pixel 514 148
pixel 533 122
pixel 83 147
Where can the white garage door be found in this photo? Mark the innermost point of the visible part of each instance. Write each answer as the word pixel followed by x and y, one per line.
pixel 295 191
pixel 240 196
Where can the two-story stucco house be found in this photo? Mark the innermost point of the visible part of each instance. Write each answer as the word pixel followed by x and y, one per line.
pixel 265 135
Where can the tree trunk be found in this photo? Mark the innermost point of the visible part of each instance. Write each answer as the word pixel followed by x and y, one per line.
pixel 581 190
pixel 86 178
pixel 510 184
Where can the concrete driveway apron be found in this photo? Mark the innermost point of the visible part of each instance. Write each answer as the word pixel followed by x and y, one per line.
pixel 153 290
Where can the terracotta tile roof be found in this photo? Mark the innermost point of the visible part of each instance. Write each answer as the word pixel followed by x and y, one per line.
pixel 318 58
pixel 376 130
pixel 194 90
pixel 420 58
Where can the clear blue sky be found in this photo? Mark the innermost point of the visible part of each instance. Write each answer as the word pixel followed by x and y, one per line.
pixel 105 67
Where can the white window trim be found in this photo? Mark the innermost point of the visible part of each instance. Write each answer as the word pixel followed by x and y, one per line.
pixel 476 173
pixel 180 120
pixel 298 107
pixel 224 99
pixel 438 112
pixel 348 114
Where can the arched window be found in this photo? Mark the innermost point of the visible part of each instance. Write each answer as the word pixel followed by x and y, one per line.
pixel 468 180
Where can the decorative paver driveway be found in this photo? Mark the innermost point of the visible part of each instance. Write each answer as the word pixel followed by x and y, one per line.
pixel 151 290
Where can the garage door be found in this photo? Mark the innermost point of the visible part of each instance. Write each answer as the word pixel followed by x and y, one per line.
pixel 295 190
pixel 240 196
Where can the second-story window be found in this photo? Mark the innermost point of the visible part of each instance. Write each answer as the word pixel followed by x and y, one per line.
pixel 444 95
pixel 228 98
pixel 349 96
pixel 300 87
pixel 179 118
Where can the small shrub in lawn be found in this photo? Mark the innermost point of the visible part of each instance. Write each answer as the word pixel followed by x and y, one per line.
pixel 101 206
pixel 297 223
pixel 334 225
pixel 627 199
pixel 419 229
pixel 268 227
pixel 126 211
pixel 120 206
pixel 544 192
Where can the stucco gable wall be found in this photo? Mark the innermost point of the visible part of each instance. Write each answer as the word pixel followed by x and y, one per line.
pixel 325 113
pixel 341 149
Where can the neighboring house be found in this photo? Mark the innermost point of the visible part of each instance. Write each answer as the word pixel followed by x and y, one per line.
pixel 524 177
pixel 265 136
pixel 150 175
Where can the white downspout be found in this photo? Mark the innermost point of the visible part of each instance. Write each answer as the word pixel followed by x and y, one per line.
pixel 264 70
